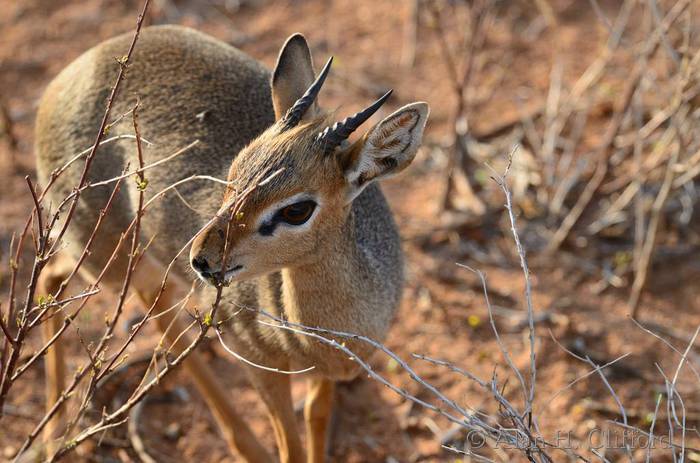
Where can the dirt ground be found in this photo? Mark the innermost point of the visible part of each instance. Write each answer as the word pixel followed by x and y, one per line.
pixel 443 314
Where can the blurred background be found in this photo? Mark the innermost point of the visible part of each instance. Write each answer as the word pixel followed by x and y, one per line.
pixel 597 102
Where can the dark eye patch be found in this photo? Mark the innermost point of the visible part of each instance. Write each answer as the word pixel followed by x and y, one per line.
pixel 294 214
pixel 268 228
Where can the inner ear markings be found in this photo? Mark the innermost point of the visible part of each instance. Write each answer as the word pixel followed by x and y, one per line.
pixel 387 145
pixel 361 180
pixel 387 138
pixel 389 163
pixel 406 118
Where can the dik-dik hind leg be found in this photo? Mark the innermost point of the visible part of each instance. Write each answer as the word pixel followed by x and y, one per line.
pixel 241 440
pixel 317 414
pixel 275 390
pixel 49 281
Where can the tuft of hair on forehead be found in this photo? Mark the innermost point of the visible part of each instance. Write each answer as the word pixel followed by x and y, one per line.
pixel 288 151
pixel 302 136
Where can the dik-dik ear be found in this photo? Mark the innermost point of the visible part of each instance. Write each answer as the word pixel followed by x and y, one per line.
pixel 293 74
pixel 387 149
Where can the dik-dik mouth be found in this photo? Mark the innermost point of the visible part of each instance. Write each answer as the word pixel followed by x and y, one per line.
pixel 214 278
pixel 233 271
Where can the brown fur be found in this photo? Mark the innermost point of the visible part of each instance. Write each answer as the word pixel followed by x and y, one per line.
pixel 344 272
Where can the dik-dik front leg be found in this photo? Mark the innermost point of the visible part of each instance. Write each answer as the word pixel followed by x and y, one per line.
pixel 317 414
pixel 275 390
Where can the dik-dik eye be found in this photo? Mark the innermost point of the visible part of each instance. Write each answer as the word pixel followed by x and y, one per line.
pixel 293 214
pixel 297 213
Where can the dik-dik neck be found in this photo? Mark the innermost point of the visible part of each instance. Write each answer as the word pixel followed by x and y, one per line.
pixel 328 291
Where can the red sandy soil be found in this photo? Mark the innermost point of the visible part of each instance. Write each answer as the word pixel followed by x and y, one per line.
pixel 443 313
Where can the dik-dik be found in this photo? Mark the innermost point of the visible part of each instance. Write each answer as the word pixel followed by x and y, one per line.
pixel 315 245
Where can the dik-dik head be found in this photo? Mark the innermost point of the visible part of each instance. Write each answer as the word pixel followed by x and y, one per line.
pixel 297 180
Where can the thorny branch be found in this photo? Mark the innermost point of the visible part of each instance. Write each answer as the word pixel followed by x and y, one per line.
pixel 47 250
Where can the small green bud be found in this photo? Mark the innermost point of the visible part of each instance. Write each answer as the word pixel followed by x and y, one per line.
pixel 141 184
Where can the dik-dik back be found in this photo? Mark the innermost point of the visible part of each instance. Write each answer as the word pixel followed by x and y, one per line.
pixel 191 87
